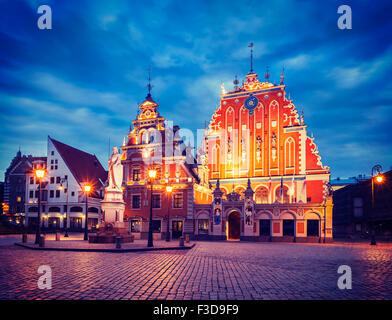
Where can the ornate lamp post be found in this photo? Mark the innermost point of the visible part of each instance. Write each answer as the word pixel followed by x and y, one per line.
pixel 87 189
pixel 169 189
pixel 39 174
pixel 379 178
pixel 65 180
pixel 152 174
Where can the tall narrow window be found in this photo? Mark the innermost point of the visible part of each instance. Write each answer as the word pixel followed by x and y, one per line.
pixel 177 200
pixel 156 201
pixel 215 158
pixel 289 153
pixel 136 174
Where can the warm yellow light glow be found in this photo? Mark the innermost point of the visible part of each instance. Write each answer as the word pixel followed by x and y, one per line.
pixel 39 173
pixel 87 188
pixel 379 178
pixel 61 187
pixel 152 173
pixel 146 153
pixel 169 189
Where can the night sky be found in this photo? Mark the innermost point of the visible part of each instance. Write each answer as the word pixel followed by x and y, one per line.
pixel 81 82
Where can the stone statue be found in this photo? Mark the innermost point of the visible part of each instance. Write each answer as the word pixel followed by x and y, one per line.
pixel 115 171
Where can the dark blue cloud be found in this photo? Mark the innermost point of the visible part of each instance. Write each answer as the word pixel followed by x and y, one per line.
pixel 81 81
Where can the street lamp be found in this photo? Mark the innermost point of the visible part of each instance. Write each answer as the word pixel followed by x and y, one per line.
pixel 379 178
pixel 87 189
pixel 152 174
pixel 39 174
pixel 66 206
pixel 169 189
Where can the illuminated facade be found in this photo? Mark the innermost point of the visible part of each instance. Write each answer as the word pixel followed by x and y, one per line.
pixel 270 182
pixel 258 175
pixel 152 144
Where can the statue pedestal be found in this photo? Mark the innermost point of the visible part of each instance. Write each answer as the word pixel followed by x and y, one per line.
pixel 112 225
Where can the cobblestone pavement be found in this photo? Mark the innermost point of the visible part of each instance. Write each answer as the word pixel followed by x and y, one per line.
pixel 211 270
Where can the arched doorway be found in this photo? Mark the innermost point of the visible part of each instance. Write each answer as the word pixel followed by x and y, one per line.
pixel 234 226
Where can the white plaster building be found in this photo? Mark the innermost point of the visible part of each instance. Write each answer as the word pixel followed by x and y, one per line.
pixel 68 169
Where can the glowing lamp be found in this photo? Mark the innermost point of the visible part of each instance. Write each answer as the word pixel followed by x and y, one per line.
pixel 61 187
pixel 39 173
pixel 87 188
pixel 379 178
pixel 169 189
pixel 152 173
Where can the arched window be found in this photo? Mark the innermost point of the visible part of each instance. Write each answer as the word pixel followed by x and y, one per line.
pixel 261 195
pixel 289 152
pixel 54 209
pixel 284 197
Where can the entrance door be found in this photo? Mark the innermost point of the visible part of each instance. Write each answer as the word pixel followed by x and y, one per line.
pixel 176 229
pixel 265 227
pixel 234 222
pixel 313 228
pixel 288 227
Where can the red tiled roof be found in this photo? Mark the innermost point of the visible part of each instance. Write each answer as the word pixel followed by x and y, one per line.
pixel 84 166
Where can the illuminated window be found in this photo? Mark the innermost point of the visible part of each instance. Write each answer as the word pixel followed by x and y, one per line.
pixel 289 152
pixel 135 226
pixel 262 195
pixel 177 200
pixel 203 226
pixel 136 174
pixel 19 199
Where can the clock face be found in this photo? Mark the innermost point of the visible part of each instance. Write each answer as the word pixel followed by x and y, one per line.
pixel 251 103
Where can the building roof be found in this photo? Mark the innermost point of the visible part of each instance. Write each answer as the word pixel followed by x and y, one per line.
pixel 84 166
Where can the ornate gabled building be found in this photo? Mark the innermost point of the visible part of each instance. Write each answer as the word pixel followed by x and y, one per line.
pixel 257 142
pixel 270 184
pixel 151 143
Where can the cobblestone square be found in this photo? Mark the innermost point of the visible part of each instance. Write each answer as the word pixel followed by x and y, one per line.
pixel 211 270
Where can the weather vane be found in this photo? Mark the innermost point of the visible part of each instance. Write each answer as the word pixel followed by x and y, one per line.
pixel 149 86
pixel 251 56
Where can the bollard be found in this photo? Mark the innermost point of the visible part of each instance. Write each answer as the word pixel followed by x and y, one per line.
pixel 57 236
pixel 181 241
pixel 118 242
pixel 187 238
pixel 42 241
pixel 24 237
